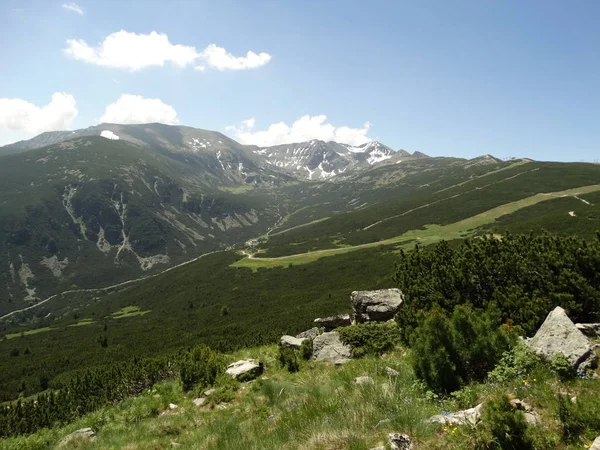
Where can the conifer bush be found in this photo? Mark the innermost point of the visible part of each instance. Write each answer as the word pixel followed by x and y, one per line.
pixel 504 427
pixel 370 338
pixel 450 351
pixel 200 368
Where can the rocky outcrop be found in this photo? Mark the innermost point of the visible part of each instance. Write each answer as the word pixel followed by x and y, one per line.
pixel 333 322
pixel 79 436
pixel 309 334
pixel 399 441
pixel 558 334
pixel 245 370
pixel 531 416
pixel 375 306
pixel 468 416
pixel 329 347
pixel 291 341
pixel 589 329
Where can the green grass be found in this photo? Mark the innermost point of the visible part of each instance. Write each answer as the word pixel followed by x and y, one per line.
pixel 317 408
pixel 429 234
pixel 29 332
pixel 83 323
pixel 128 311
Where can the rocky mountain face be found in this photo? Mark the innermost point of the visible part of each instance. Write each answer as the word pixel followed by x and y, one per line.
pixel 319 160
pixel 96 206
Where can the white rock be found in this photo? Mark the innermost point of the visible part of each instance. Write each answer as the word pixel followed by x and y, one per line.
pixel 364 380
pixel 291 341
pixel 247 369
pixel 468 416
pixel 83 434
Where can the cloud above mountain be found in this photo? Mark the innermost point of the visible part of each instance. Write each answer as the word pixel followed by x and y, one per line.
pixel 133 52
pixel 73 7
pixel 131 109
pixel 20 115
pixel 303 129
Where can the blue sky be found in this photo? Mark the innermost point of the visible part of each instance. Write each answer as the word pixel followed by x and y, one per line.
pixel 459 78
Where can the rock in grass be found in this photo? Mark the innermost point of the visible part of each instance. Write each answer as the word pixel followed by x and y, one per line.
pixel 245 370
pixel 333 322
pixel 81 435
pixel 391 372
pixel 381 447
pixel 376 306
pixel 291 341
pixel 468 416
pixel 399 441
pixel 329 347
pixel 199 401
pixel 595 444
pixel 558 334
pixel 366 380
pixel 531 416
pixel 309 334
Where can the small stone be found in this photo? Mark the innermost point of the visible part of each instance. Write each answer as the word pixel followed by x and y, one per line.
pixel 209 392
pixel 83 434
pixel 173 406
pixel 381 447
pixel 199 401
pixel 399 441
pixel 391 372
pixel 364 380
pixel 468 416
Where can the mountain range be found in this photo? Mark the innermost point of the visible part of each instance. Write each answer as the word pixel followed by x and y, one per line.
pixel 99 205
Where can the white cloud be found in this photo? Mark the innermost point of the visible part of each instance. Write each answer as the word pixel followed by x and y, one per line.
pixel 74 7
pixel 131 51
pixel 137 109
pixel 20 115
pixel 305 128
pixel 221 59
pixel 124 50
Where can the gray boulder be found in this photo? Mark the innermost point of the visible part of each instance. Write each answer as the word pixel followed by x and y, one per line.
pixel 81 435
pixel 291 341
pixel 589 329
pixel 245 370
pixel 329 347
pixel 595 444
pixel 558 334
pixel 468 416
pixel 333 322
pixel 375 306
pixel 399 441
pixel 309 334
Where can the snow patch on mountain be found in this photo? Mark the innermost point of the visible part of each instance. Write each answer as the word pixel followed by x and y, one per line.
pixel 109 135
